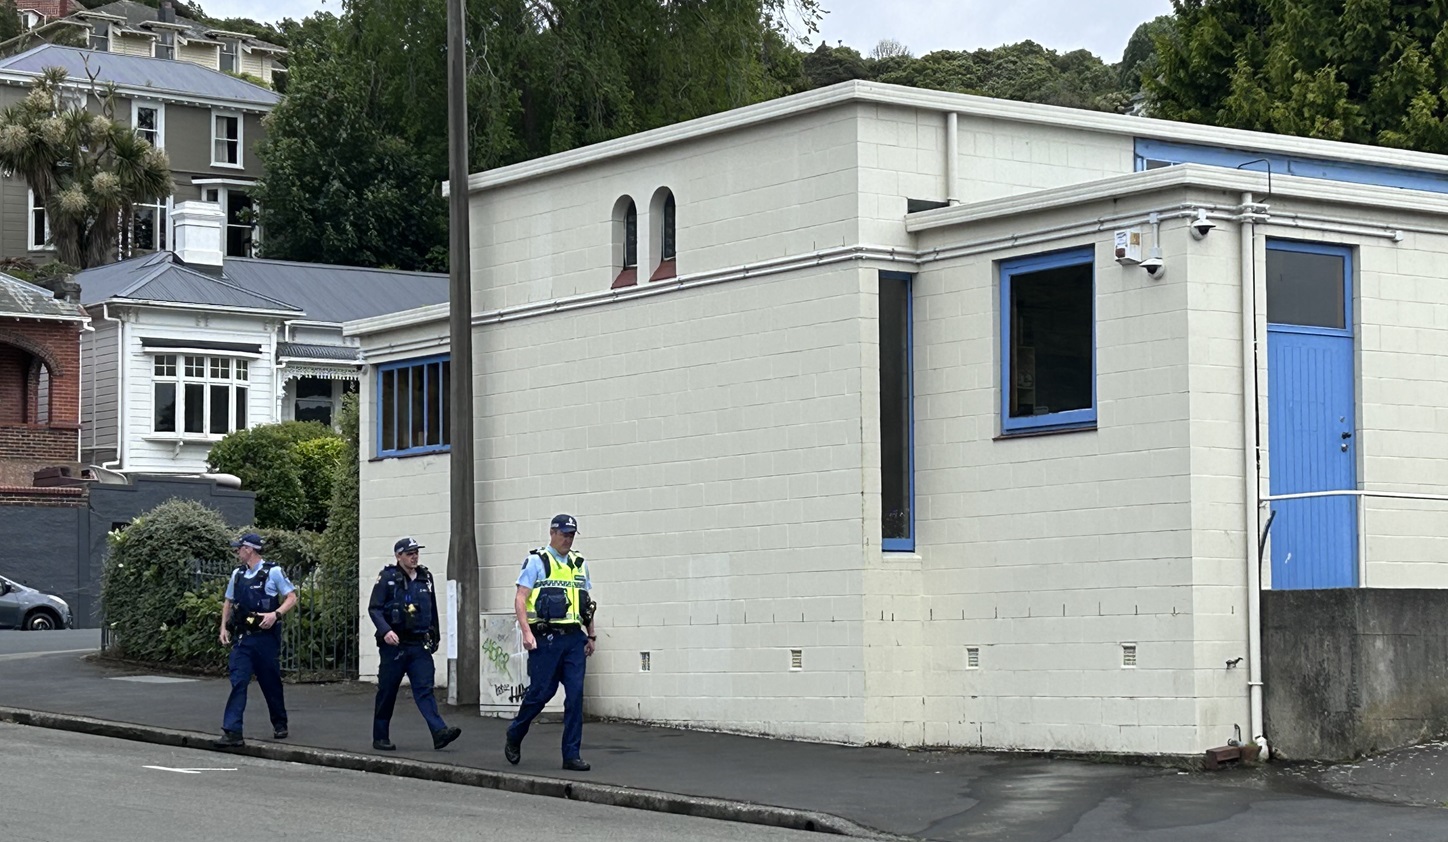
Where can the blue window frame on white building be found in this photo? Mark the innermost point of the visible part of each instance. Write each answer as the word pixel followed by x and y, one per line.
pixel 1048 342
pixel 897 434
pixel 412 407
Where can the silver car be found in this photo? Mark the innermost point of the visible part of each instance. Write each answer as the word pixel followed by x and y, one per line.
pixel 29 609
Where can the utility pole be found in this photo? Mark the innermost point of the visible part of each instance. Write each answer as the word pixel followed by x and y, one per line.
pixel 462 551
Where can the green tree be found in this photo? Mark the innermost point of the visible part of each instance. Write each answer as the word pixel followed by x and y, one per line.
pixel 10 23
pixel 86 169
pixel 1026 72
pixel 831 65
pixel 1139 58
pixel 274 460
pixel 1365 71
pixel 368 93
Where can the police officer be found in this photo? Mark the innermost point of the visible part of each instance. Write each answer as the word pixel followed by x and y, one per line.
pixel 257 596
pixel 555 612
pixel 404 610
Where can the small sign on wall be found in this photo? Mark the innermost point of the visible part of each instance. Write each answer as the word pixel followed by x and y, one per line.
pixel 452 619
pixel 503 669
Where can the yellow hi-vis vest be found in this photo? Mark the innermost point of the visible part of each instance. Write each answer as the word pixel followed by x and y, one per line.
pixel 554 599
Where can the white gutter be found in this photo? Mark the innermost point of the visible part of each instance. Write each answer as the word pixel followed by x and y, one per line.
pixel 1251 480
pixel 209 308
pixel 122 410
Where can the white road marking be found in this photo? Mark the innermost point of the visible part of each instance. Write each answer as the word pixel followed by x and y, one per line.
pixel 22 655
pixel 186 771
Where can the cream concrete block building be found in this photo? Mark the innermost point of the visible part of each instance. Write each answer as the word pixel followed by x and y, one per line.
pixel 898 416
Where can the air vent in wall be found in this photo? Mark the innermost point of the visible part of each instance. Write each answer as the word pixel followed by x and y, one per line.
pixel 1128 654
pixel 796 659
pixel 644 661
pixel 972 657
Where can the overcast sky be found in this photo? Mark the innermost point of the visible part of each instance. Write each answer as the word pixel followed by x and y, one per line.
pixel 1101 26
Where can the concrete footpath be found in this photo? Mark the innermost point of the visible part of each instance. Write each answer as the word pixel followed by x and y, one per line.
pixel 836 789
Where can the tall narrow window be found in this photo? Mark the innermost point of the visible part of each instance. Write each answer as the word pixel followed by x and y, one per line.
pixel 897 486
pixel 668 246
pixel 228 55
pixel 226 140
pixel 625 243
pixel 148 119
pixel 148 228
pixel 412 407
pixel 164 46
pixel 240 218
pixel 1048 342
pixel 39 234
pixel 631 237
pixel 100 36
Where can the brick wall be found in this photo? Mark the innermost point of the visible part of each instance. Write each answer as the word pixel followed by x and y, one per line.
pixel 50 497
pixel 26 347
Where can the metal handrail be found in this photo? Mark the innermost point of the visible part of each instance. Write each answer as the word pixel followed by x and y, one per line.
pixel 1352 492
pixel 1362 516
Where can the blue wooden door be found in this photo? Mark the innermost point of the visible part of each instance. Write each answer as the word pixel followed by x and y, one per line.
pixel 1312 437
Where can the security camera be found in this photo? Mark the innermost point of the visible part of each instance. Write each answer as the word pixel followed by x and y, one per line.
pixel 1201 226
pixel 1155 267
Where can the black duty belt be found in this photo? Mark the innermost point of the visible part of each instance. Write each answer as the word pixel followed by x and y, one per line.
pixel 548 628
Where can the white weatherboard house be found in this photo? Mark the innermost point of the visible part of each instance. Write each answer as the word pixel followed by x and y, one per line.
pixel 872 436
pixel 190 344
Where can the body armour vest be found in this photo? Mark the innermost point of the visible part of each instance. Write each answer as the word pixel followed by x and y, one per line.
pixel 408 608
pixel 554 599
pixel 252 598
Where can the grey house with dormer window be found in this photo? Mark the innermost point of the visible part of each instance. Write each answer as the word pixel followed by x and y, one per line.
pixel 209 124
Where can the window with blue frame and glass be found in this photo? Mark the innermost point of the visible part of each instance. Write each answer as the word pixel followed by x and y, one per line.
pixel 897 456
pixel 412 407
pixel 1048 342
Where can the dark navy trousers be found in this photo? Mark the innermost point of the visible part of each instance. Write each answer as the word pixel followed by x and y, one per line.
pixel 559 658
pixel 412 660
pixel 255 654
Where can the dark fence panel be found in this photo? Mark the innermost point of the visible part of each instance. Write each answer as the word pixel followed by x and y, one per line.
pixel 319 636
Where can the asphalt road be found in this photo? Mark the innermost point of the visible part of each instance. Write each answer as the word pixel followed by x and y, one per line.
pixel 14 642
pixel 64 787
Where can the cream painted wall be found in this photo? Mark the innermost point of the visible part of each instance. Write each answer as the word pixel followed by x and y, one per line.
pixel 720 445
pixel 709 444
pixel 406 496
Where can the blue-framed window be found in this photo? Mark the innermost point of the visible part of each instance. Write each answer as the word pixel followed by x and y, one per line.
pixel 412 407
pixel 897 415
pixel 1309 287
pixel 1048 341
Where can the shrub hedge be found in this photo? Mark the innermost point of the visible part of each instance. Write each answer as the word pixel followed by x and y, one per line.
pixel 290 467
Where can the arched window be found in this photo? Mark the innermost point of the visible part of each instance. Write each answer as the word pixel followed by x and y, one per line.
pixel 625 242
pixel 664 243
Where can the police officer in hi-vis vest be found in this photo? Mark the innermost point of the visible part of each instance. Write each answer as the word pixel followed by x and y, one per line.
pixel 257 596
pixel 404 610
pixel 556 614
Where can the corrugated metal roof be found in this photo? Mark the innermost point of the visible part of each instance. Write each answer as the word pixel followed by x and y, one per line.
pixel 322 292
pixel 19 299
pixel 179 78
pixel 304 351
pixel 156 277
pixel 338 293
pixel 138 14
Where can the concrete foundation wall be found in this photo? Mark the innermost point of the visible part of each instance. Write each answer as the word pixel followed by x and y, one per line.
pixel 1349 672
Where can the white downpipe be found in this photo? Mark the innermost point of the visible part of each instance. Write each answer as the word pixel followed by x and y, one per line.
pixel 121 407
pixel 1251 485
pixel 952 158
